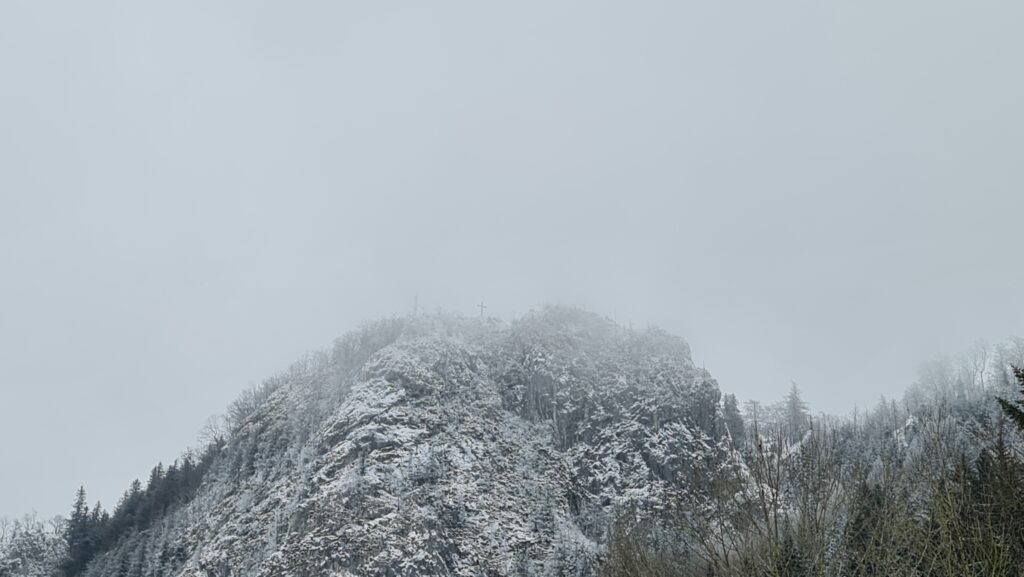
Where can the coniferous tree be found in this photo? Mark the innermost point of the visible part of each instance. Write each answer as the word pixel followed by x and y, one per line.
pixel 797 415
pixel 189 476
pixel 997 494
pixel 78 536
pixel 126 515
pixel 733 419
pixel 169 489
pixel 97 526
pixel 156 475
pixel 1015 409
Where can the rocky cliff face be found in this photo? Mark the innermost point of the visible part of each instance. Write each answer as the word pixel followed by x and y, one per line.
pixel 439 446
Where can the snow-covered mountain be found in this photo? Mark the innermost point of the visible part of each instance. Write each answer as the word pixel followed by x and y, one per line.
pixel 444 446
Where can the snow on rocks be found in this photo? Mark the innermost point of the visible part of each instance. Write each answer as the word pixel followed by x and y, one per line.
pixel 441 446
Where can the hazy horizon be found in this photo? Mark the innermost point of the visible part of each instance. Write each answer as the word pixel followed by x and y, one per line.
pixel 194 195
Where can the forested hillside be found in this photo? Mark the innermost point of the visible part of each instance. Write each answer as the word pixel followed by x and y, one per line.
pixel 560 444
pixel 929 485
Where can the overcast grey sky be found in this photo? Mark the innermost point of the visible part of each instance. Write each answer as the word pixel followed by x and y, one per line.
pixel 195 193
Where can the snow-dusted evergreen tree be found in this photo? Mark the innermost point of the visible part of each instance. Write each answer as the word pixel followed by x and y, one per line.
pixel 797 417
pixel 79 536
pixel 1014 409
pixel 733 419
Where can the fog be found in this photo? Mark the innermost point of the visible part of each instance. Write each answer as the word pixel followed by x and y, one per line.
pixel 194 194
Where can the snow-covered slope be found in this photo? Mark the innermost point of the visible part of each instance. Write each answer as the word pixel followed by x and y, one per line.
pixel 441 446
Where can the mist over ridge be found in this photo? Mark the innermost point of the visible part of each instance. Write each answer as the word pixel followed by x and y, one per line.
pixel 728 288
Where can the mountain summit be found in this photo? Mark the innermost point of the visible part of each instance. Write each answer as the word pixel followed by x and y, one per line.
pixel 443 446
